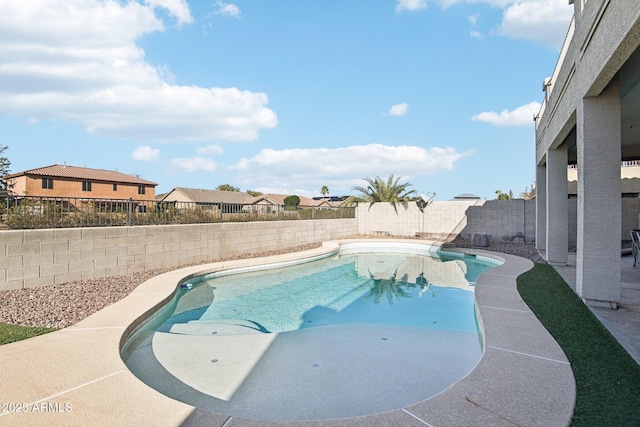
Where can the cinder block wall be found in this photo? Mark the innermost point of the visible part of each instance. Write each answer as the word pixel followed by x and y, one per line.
pixel 31 258
pixel 503 220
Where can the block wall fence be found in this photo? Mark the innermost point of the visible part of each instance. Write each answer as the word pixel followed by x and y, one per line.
pixel 31 258
pixel 503 220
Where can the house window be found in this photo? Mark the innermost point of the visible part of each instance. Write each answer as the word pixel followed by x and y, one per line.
pixel 47 183
pixel 86 185
pixel 141 189
pixel 115 187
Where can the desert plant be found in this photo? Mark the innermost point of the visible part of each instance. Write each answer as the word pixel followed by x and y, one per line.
pixel 378 190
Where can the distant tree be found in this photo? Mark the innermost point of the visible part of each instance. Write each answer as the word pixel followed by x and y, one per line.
pixel 529 192
pixel 253 193
pixel 292 200
pixel 390 191
pixel 227 187
pixel 5 187
pixel 324 190
pixel 504 196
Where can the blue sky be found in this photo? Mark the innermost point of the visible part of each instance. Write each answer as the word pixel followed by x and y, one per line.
pixel 281 96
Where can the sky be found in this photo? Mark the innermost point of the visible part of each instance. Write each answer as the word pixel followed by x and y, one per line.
pixel 281 96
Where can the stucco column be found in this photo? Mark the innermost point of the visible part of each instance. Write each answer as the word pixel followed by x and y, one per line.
pixel 557 209
pixel 599 198
pixel 541 208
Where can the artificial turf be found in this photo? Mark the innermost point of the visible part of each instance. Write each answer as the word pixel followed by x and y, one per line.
pixel 12 333
pixel 607 377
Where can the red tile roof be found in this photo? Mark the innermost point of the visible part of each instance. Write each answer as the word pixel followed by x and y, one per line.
pixel 75 172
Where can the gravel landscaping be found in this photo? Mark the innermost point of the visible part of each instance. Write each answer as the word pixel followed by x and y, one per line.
pixel 524 250
pixel 60 306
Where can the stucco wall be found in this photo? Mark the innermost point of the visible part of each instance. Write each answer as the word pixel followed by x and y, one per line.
pixel 630 221
pixel 30 258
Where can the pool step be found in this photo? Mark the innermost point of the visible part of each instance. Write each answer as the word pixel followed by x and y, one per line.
pixel 217 327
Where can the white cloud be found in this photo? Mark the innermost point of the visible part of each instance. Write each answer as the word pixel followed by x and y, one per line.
pixel 210 150
pixel 398 109
pixel 192 164
pixel 227 9
pixel 342 168
pixel 178 8
pixel 78 62
pixel 410 5
pixel 521 116
pixel 473 21
pixel 542 21
pixel 145 154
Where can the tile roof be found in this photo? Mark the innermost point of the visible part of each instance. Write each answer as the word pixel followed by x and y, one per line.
pixel 200 195
pixel 279 199
pixel 75 172
pixel 213 196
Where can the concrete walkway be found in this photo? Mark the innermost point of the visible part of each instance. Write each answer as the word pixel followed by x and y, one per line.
pixel 76 377
pixel 623 323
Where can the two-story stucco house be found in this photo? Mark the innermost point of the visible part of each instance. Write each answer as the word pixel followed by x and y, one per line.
pixel 590 118
pixel 80 182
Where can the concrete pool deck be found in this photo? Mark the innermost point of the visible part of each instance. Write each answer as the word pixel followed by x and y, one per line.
pixel 76 376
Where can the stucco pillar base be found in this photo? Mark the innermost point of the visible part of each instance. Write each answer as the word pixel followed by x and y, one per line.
pixel 600 304
pixel 558 263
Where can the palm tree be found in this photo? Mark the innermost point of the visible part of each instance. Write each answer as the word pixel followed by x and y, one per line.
pixel 324 190
pixel 388 287
pixel 380 191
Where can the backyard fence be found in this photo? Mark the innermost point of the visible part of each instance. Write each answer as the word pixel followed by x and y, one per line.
pixel 27 212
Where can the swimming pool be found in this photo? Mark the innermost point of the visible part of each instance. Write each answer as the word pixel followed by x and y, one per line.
pixel 366 330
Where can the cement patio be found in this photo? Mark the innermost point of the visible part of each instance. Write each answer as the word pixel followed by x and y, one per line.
pixel 76 376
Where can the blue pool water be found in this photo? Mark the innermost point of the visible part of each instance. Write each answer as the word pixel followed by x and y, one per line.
pixel 370 288
pixel 354 334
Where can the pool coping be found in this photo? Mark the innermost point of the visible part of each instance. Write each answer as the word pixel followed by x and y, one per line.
pixel 522 378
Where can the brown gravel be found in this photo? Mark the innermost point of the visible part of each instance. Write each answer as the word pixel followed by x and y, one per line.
pixel 60 306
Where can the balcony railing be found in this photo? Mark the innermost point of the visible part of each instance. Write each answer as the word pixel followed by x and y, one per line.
pixel 550 83
pixel 60 212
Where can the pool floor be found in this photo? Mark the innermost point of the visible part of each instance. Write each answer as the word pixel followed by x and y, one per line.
pixel 328 372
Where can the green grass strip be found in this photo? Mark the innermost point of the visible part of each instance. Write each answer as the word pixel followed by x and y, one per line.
pixel 12 333
pixel 607 377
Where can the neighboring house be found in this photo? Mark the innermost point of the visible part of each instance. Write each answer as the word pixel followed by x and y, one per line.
pixel 466 196
pixel 234 201
pixel 80 182
pixel 331 201
pixel 278 200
